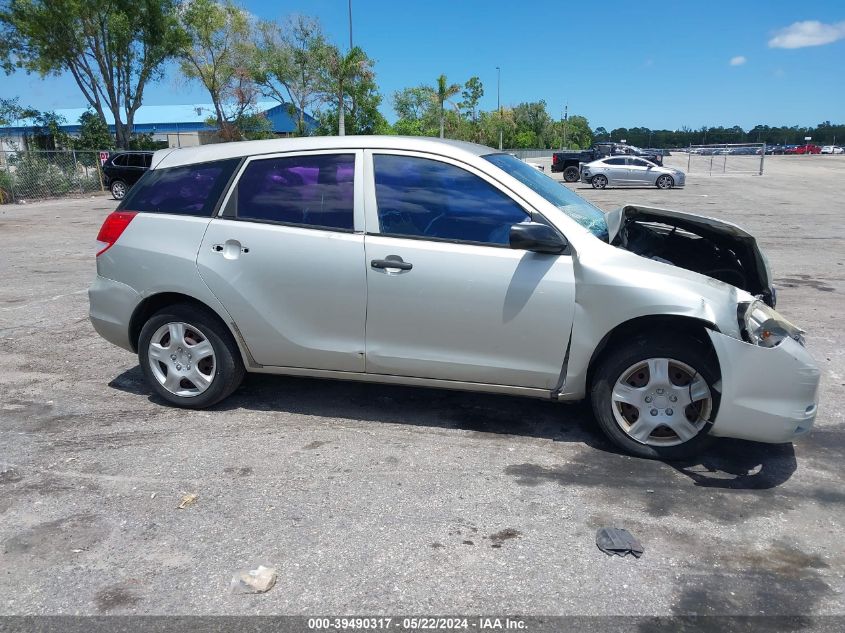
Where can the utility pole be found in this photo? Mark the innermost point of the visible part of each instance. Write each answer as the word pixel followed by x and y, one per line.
pixel 350 25
pixel 565 119
pixel 499 101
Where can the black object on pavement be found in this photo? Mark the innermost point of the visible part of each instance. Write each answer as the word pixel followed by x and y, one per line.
pixel 618 541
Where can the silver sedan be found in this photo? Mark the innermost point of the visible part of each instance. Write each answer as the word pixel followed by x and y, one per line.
pixel 620 171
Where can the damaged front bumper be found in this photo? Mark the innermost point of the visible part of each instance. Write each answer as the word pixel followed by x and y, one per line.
pixel 769 394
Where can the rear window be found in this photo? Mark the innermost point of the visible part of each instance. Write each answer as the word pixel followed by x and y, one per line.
pixel 188 190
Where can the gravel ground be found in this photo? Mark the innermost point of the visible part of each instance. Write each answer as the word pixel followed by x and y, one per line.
pixel 377 499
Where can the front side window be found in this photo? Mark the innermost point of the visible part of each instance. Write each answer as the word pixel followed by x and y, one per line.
pixel 186 190
pixel 119 161
pixel 316 190
pixel 637 162
pixel 420 197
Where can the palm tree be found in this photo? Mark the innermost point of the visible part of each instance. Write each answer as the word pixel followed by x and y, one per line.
pixel 441 95
pixel 341 72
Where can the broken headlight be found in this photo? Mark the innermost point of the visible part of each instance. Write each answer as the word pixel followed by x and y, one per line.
pixel 763 326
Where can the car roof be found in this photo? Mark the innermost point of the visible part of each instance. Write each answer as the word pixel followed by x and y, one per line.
pixel 190 155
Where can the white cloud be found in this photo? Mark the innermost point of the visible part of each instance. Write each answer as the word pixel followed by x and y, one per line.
pixel 739 60
pixel 809 33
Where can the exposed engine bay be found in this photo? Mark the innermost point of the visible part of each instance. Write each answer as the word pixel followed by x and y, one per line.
pixel 704 245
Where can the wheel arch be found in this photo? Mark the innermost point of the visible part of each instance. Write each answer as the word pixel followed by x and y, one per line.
pixel 662 325
pixel 152 304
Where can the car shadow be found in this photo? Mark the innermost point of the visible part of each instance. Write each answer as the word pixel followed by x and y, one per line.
pixel 728 464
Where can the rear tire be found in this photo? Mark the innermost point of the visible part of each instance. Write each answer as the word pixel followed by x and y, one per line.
pixel 571 174
pixel 663 422
pixel 189 357
pixel 599 182
pixel 118 189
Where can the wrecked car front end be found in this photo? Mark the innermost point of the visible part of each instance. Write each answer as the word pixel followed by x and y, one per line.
pixel 711 247
pixel 709 275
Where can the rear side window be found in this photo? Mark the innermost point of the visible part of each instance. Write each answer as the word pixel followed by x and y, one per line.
pixel 420 197
pixel 315 191
pixel 135 160
pixel 614 161
pixel 188 190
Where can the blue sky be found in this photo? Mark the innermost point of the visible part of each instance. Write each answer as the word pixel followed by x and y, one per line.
pixel 618 62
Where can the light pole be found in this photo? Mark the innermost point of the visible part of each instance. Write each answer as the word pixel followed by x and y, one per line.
pixel 499 101
pixel 350 25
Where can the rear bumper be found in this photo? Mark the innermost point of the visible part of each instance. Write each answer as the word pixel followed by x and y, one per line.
pixel 768 394
pixel 111 306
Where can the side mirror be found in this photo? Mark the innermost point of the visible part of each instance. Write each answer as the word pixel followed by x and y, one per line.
pixel 536 237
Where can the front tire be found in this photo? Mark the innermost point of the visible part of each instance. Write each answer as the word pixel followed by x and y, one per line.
pixel 571 174
pixel 189 357
pixel 665 182
pixel 599 182
pixel 118 189
pixel 657 399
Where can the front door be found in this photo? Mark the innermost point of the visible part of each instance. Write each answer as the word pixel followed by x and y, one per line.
pixel 447 298
pixel 286 259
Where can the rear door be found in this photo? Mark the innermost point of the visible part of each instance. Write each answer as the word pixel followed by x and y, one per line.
pixel 286 259
pixel 135 167
pixel 616 170
pixel 639 171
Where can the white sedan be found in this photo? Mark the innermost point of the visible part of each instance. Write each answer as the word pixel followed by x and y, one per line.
pixel 833 149
pixel 632 171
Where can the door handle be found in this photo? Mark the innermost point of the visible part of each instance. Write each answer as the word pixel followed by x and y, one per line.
pixel 219 248
pixel 392 261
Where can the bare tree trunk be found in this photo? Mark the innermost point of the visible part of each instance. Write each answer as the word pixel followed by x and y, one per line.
pixel 341 123
pixel 442 118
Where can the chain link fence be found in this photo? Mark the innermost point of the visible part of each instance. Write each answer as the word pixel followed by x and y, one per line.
pixel 726 158
pixel 38 174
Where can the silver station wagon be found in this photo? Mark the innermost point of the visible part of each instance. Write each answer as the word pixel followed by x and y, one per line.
pixel 450 265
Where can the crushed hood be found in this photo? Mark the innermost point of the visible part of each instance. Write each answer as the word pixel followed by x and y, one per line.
pixel 615 220
pixel 750 262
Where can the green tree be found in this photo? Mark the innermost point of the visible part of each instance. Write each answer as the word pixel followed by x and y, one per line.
pixel 416 112
pixel 471 95
pixel 340 73
pixel 94 133
pixel 218 54
pixel 533 117
pixel 442 93
pixel 113 50
pixel 11 110
pixel 47 133
pixel 578 134
pixel 287 64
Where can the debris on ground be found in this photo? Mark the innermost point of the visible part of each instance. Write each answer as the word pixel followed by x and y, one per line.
pixel 9 476
pixel 503 535
pixel 187 500
pixel 618 541
pixel 258 580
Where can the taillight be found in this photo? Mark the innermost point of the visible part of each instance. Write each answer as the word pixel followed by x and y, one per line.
pixel 112 228
pixel 554 159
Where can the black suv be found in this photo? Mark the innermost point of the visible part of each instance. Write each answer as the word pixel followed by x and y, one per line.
pixel 123 169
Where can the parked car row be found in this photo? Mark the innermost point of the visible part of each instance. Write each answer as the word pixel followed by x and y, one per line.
pixel 630 171
pixel 569 161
